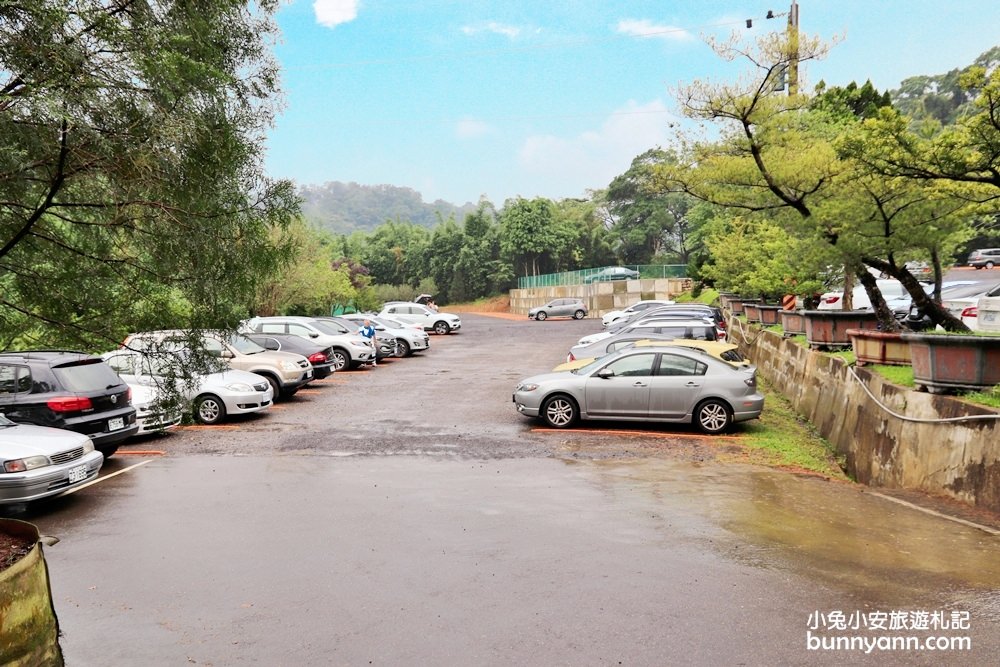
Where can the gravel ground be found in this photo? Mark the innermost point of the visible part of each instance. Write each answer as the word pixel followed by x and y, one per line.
pixel 453 400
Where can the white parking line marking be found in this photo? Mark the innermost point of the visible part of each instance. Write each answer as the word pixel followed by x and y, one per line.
pixel 106 477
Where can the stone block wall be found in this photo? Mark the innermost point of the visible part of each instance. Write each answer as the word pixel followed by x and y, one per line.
pixel 957 459
pixel 600 297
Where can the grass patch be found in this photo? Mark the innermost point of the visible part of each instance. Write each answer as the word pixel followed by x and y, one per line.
pixel 800 340
pixel 990 399
pixel 776 328
pixel 707 296
pixel 901 375
pixel 846 355
pixel 781 438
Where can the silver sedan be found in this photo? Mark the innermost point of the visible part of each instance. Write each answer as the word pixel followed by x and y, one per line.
pixel 642 384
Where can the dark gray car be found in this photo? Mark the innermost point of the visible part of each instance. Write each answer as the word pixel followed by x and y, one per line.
pixel 574 308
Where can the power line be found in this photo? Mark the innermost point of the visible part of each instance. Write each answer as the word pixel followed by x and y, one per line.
pixel 510 49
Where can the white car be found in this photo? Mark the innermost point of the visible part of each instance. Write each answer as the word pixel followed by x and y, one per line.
pixel 988 310
pixel 637 307
pixel 211 397
pixel 410 338
pixel 348 348
pixel 38 461
pixel 891 289
pixel 429 319
pixel 695 329
pixel 148 415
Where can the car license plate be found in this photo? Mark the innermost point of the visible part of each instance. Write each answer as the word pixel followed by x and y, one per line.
pixel 116 424
pixel 77 474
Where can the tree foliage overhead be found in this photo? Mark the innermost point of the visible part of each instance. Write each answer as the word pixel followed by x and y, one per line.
pixel 132 192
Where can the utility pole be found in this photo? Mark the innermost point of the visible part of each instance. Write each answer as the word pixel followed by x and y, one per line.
pixel 793 47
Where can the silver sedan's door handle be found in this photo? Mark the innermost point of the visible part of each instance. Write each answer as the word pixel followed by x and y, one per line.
pixel 693 384
pixel 639 383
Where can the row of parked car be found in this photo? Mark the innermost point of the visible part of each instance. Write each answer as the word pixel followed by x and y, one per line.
pixel 976 304
pixel 654 361
pixel 63 412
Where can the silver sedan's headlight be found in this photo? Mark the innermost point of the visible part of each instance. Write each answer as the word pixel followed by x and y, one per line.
pixel 527 386
pixel 88 446
pixel 240 386
pixel 356 343
pixel 289 366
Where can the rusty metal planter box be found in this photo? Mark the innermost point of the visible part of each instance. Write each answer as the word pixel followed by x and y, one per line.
pixel 944 362
pixel 752 311
pixel 793 323
pixel 828 328
pixel 737 304
pixel 768 314
pixel 879 347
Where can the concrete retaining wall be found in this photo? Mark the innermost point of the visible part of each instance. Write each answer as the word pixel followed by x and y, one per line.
pixel 961 460
pixel 600 297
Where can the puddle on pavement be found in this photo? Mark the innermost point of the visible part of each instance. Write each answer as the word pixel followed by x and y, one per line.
pixel 833 533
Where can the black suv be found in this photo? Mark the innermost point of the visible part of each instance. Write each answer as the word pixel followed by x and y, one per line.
pixel 71 390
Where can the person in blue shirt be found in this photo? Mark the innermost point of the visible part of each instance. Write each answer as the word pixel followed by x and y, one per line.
pixel 368 331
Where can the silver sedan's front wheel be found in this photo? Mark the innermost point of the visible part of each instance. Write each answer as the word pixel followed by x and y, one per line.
pixel 559 412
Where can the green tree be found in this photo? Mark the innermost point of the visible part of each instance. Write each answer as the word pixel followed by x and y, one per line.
pixel 776 156
pixel 647 220
pixel 527 234
pixel 446 246
pixel 309 283
pixel 131 169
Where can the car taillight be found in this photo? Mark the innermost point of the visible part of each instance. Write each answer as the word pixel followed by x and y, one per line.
pixel 128 395
pixel 831 299
pixel 69 404
pixel 317 358
pixel 722 324
pixel 751 381
pixel 971 311
pixel 570 357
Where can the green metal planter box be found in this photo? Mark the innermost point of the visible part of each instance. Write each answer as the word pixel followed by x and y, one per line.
pixel 29 631
pixel 944 362
pixel 828 328
pixel 879 347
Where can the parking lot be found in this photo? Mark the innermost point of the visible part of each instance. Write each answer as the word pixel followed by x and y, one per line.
pixel 406 514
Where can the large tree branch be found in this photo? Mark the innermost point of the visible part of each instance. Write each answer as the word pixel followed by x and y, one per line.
pixel 56 183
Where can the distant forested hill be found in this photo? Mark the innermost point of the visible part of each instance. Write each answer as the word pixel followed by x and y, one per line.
pixel 347 207
pixel 939 96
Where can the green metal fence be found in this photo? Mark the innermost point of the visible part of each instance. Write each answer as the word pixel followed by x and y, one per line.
pixel 603 274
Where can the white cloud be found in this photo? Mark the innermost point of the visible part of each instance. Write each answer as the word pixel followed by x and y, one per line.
pixel 331 13
pixel 648 29
pixel 470 128
pixel 508 31
pixel 567 166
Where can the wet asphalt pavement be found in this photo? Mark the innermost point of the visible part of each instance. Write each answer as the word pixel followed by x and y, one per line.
pixel 407 515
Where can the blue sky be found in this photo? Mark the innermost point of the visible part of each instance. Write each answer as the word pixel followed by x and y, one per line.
pixel 463 98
